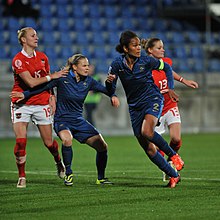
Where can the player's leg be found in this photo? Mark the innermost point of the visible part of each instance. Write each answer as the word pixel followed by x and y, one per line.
pixel 42 118
pixel 20 130
pixel 175 136
pixel 98 143
pixel 67 153
pixel 20 116
pixel 53 147
pixel 174 124
pixel 148 132
pixel 156 157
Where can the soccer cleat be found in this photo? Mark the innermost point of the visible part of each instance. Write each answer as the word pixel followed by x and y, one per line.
pixel 60 170
pixel 173 181
pixel 177 162
pixel 21 182
pixel 165 176
pixel 68 180
pixel 104 181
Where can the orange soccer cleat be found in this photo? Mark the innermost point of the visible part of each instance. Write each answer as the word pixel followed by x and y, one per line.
pixel 177 161
pixel 174 181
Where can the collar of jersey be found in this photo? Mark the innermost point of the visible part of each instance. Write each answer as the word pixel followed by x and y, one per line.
pixel 25 53
pixel 72 73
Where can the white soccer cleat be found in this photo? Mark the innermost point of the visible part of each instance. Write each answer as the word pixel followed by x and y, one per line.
pixel 21 182
pixel 60 170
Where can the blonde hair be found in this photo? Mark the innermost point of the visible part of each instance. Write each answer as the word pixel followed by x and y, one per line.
pixel 22 33
pixel 74 60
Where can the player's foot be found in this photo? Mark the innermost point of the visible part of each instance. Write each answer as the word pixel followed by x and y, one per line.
pixel 104 181
pixel 173 181
pixel 21 182
pixel 165 176
pixel 68 180
pixel 177 162
pixel 60 170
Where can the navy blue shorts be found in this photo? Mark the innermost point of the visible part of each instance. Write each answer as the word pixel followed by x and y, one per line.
pixel 153 107
pixel 79 128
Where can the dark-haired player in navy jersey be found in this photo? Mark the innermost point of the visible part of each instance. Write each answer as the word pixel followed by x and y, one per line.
pixel 144 99
pixel 68 119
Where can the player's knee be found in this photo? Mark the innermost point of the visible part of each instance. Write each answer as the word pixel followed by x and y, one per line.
pixel 151 150
pixel 67 141
pixel 147 133
pixel 20 147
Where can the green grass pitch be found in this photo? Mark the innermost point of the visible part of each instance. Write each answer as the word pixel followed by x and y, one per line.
pixel 138 191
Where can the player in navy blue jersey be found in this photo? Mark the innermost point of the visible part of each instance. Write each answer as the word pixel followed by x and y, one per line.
pixel 144 99
pixel 68 119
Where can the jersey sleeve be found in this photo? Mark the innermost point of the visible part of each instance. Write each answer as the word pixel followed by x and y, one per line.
pixel 18 65
pixel 98 87
pixel 41 88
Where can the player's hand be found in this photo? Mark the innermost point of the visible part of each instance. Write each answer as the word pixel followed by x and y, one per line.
pixel 52 103
pixel 115 101
pixel 174 97
pixel 61 73
pixel 191 83
pixel 110 78
pixel 18 95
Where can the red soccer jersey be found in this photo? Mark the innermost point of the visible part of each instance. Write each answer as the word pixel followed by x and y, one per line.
pixel 160 80
pixel 37 66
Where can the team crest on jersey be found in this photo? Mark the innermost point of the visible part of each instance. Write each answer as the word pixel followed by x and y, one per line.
pixel 141 68
pixel 18 64
pixel 85 83
pixel 18 115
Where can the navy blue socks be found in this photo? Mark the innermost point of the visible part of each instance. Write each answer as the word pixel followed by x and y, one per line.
pixel 67 154
pixel 162 144
pixel 163 165
pixel 101 162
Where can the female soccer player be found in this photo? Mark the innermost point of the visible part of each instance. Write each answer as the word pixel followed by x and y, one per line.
pixel 68 119
pixel 31 68
pixel 144 99
pixel 170 113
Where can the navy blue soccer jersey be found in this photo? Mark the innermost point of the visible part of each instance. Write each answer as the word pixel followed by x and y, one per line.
pixel 70 95
pixel 138 83
pixel 143 96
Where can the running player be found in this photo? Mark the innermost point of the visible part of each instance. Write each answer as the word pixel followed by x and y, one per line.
pixel 144 99
pixel 170 115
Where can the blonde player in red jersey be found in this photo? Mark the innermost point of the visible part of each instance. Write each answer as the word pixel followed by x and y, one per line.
pixel 31 68
pixel 170 115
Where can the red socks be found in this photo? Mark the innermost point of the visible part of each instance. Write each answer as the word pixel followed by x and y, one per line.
pixel 54 151
pixel 20 154
pixel 175 146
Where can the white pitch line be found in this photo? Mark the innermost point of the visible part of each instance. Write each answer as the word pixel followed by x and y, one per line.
pixel 85 173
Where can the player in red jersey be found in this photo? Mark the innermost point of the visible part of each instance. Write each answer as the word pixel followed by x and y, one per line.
pixel 31 68
pixel 170 115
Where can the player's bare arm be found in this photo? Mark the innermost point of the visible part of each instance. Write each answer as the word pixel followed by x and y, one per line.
pixel 18 95
pixel 32 82
pixel 189 83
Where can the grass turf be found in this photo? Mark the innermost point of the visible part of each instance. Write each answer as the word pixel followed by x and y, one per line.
pixel 138 191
